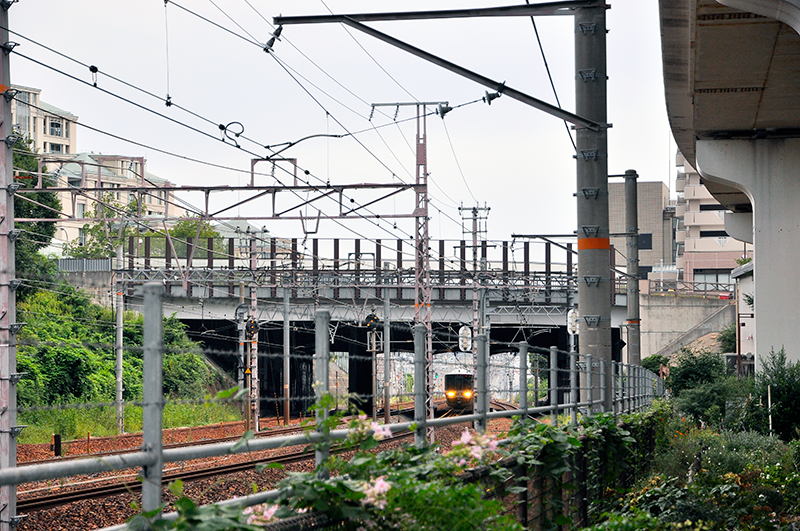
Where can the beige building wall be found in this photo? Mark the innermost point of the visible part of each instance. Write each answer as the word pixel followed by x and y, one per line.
pixel 705 252
pixel 119 175
pixel 655 224
pixel 52 130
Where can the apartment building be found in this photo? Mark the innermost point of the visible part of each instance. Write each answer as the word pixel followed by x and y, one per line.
pixel 51 130
pixel 705 252
pixel 123 180
pixel 656 221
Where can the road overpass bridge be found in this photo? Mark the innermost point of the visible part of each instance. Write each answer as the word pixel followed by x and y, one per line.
pixel 732 87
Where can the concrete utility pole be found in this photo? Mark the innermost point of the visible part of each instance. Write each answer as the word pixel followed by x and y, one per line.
pixel 632 229
pixel 387 362
pixel 8 310
pixel 592 183
pixel 254 383
pixel 120 301
pixel 286 359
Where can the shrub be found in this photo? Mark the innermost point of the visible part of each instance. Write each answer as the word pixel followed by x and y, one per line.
pixel 692 369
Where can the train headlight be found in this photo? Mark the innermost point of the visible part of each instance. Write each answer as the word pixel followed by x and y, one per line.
pixel 451 394
pixel 467 394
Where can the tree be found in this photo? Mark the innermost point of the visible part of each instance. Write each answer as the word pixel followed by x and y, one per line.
pixel 101 237
pixel 655 362
pixel 727 339
pixel 30 265
pixel 693 369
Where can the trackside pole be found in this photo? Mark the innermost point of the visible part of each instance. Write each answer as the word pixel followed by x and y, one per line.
pixel 553 386
pixel 420 386
pixel 322 355
pixel 387 361
pixel 573 387
pixel 153 408
pixel 522 348
pixel 482 383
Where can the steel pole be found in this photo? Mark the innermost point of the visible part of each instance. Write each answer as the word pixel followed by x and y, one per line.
pixel 387 361
pixel 255 389
pixel 482 383
pixel 420 385
pixel 632 222
pixel 286 359
pixel 592 189
pixel 553 386
pixel 522 350
pixel 152 411
pixel 120 301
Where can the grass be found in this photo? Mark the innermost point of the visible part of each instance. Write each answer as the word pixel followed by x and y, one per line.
pixel 75 422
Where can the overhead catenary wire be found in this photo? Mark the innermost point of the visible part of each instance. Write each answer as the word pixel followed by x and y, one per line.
pixel 349 134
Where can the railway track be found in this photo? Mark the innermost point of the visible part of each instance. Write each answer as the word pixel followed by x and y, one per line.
pixel 38 503
pixel 267 433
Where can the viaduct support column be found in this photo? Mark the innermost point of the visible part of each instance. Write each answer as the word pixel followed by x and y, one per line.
pixel 768 172
pixel 594 302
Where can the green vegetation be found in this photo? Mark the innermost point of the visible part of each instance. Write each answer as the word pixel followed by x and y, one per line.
pixel 727 339
pixel 67 351
pixel 655 362
pixel 31 266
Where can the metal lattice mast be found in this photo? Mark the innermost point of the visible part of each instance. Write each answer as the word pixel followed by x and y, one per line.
pixel 422 271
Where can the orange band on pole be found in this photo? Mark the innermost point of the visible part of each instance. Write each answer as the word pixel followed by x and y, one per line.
pixel 3 88
pixel 593 243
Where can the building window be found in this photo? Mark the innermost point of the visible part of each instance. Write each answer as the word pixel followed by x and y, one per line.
pixel 56 127
pixel 56 148
pixel 66 129
pixel 80 211
pixel 713 234
pixel 131 198
pixel 712 207
pixel 645 242
pixel 81 237
pixel 712 279
pixel 643 271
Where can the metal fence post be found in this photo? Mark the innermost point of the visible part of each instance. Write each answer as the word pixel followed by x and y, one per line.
pixel 573 386
pixel 603 385
pixel 522 349
pixel 153 352
pixel 553 386
pixel 482 382
pixel 322 357
pixel 419 384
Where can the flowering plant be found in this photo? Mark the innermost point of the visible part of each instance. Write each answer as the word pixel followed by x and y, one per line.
pixel 400 488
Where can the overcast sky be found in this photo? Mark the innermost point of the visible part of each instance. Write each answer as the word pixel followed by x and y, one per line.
pixel 513 158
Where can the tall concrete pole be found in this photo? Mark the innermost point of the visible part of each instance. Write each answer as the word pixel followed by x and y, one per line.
pixel 8 309
pixel 120 314
pixel 592 188
pixel 254 383
pixel 286 340
pixel 387 360
pixel 632 228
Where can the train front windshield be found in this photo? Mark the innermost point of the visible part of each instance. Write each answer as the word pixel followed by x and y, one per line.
pixel 458 389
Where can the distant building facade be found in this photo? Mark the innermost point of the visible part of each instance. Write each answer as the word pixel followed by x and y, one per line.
pixel 656 221
pixel 705 252
pixel 51 130
pixel 126 180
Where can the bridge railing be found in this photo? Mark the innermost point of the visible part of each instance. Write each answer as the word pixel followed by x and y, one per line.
pixel 565 384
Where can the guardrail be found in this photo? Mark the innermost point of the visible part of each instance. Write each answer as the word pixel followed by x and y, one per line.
pixel 576 384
